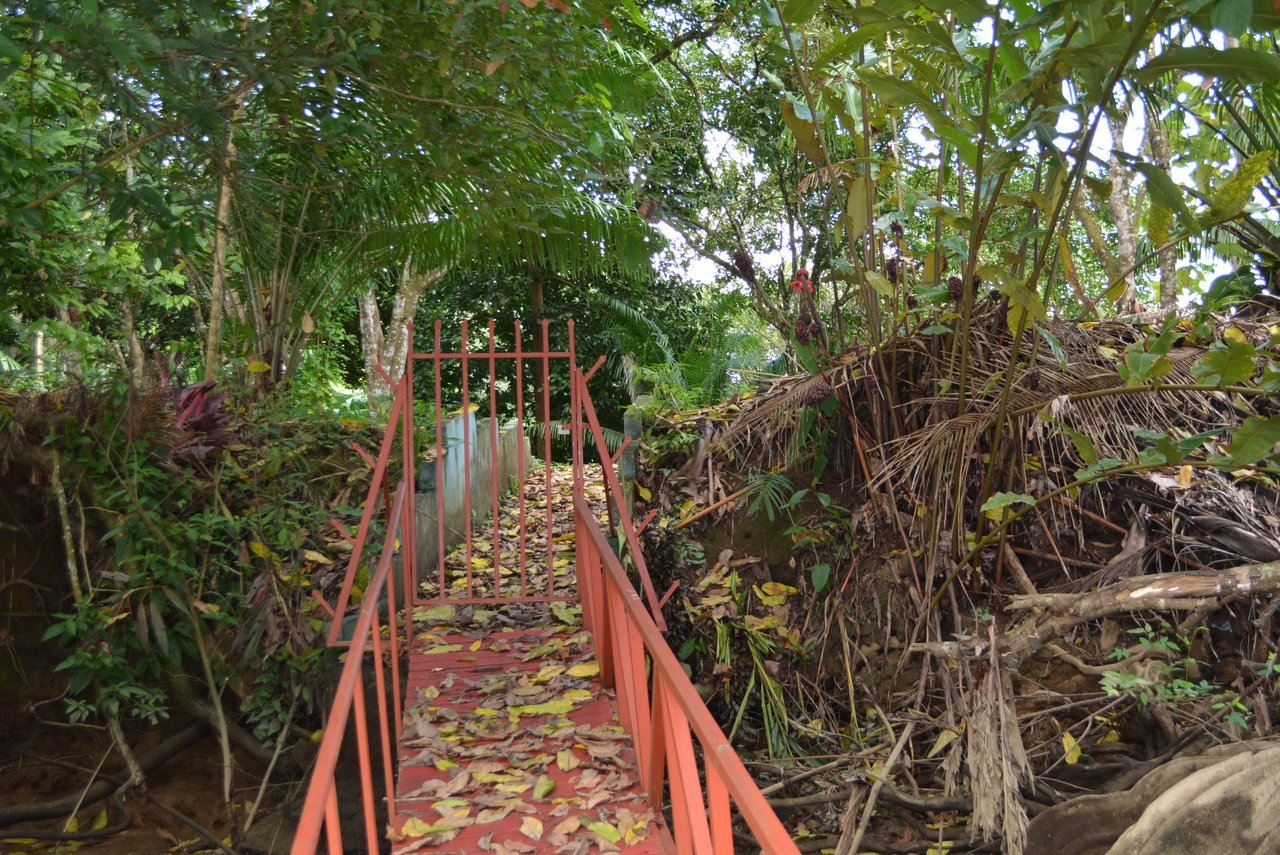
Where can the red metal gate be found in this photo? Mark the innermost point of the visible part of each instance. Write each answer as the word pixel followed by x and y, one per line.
pixel 455 466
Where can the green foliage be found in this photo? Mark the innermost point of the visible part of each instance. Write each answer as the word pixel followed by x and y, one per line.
pixel 205 568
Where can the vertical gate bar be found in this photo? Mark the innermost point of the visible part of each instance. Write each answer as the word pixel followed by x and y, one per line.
pixel 686 790
pixel 640 684
pixel 380 685
pixel 718 811
pixel 393 625
pixel 520 466
pixel 579 568
pixel 656 764
pixel 332 824
pixel 466 452
pixel 444 591
pixel 575 421
pixel 493 462
pixel 546 424
pixel 409 536
pixel 604 633
pixel 366 765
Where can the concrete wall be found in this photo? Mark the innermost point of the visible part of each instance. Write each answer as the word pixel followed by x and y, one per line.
pixel 458 458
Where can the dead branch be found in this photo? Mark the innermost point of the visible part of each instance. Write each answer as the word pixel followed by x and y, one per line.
pixel 1059 613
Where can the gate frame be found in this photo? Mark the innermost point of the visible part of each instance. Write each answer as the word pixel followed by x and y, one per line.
pixel 465 357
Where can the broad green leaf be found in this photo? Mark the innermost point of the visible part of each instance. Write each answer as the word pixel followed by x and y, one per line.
pixel 1254 440
pixel 819 574
pixel 1270 380
pixel 881 285
pixel 1243 64
pixel 904 93
pixel 1228 362
pixel 855 208
pixel 1055 346
pixel 1083 444
pixel 1231 16
pixel 1230 197
pixel 1025 305
pixel 995 507
pixel 1162 189
pixel 800 122
pixel 800 11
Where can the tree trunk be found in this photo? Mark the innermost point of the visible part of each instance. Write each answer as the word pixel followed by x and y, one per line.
pixel 137 363
pixel 1168 258
pixel 389 348
pixel 537 310
pixel 1120 204
pixel 218 284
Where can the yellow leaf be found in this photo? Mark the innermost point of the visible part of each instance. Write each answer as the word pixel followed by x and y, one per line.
pixel 576 695
pixel 99 821
pixel 442 648
pixel 636 832
pixel 945 738
pixel 72 826
pixel 318 557
pixel 444 764
pixel 1070 749
pixel 257 367
pixel 444 611
pixel 1112 736
pixel 430 693
pixel 547 672
pixel 584 669
pixel 645 492
pixel 1235 335
pixel 475 645
pixel 543 787
pixel 260 549
pixel 605 830
pixel 1184 476
pixel 557 707
pixel 486 711
pixel 531 828
pixel 567 760
pixel 415 827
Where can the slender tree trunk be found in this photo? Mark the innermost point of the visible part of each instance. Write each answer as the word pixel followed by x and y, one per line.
pixel 1168 258
pixel 1120 204
pixel 70 355
pixel 537 309
pixel 389 348
pixel 137 363
pixel 218 283
pixel 37 355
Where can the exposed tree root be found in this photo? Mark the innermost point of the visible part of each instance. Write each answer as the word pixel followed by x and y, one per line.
pixel 100 789
pixel 92 834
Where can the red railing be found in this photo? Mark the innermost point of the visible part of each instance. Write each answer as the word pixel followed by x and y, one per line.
pixel 657 704
pixel 320 810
